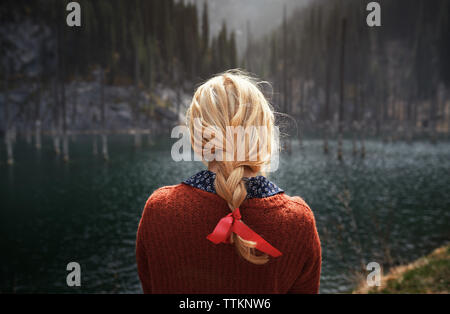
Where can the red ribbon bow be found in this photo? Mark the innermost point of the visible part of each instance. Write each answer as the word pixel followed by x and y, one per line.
pixel 232 223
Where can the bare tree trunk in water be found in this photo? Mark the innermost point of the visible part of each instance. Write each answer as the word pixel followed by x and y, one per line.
pixel 363 146
pixel 385 116
pixel 28 130
pixel 64 120
pixel 444 110
pixel 302 113
pixel 137 137
pixel 433 113
pixel 55 122
pixel 409 117
pixel 341 100
pixel 56 139
pixel 325 136
pixel 74 106
pixel 8 139
pixel 286 141
pixel 94 131
pixel 137 131
pixel 38 132
pixel 28 134
pixel 178 103
pixel 355 131
pixel 62 77
pixel 13 133
pixel 8 142
pixel 95 145
pixel 362 118
pixel 9 148
pixel 56 90
pixel 103 115
pixel 414 119
pixel 37 117
pixel 105 146
pixel 339 153
pixel 65 147
pixel 327 107
pixel 55 133
pixel 289 139
pixel 284 61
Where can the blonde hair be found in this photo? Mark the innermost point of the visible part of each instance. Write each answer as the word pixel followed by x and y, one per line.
pixel 233 99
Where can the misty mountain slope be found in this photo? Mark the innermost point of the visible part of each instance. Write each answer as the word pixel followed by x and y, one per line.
pixel 262 15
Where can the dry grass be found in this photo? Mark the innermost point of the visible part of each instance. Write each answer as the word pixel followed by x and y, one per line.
pixel 429 274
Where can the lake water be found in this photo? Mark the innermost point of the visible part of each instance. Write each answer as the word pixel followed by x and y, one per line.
pixel 391 207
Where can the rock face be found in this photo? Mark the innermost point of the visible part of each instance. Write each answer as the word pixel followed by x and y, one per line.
pixel 24 46
pixel 83 109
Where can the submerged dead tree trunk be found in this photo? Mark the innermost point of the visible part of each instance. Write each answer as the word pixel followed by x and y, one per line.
pixel 409 124
pixel 361 138
pixel 94 130
pixel 64 120
pixel 38 134
pixel 40 84
pixel 28 125
pixel 326 129
pixel 37 117
pixel 361 47
pixel 302 112
pixel 137 131
pixel 56 127
pixel 103 115
pixel 433 117
pixel 73 115
pixel 61 76
pixel 95 145
pixel 362 117
pixel 55 122
pixel 9 148
pixel 287 141
pixel 341 90
pixel 355 127
pixel 8 135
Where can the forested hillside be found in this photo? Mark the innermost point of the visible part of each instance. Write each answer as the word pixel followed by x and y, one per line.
pixel 136 40
pixel 332 71
pixel 130 66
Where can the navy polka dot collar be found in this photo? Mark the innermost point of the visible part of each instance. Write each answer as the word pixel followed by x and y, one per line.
pixel 257 187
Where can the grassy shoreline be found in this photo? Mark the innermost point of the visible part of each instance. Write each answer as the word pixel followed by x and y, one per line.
pixel 428 274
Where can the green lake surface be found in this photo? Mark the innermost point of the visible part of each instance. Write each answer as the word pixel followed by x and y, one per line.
pixel 391 207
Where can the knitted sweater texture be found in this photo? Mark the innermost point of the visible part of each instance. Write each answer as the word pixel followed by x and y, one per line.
pixel 174 256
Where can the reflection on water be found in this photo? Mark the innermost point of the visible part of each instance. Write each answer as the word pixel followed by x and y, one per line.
pixel 390 207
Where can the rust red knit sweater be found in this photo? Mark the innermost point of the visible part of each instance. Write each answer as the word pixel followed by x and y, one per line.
pixel 174 256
